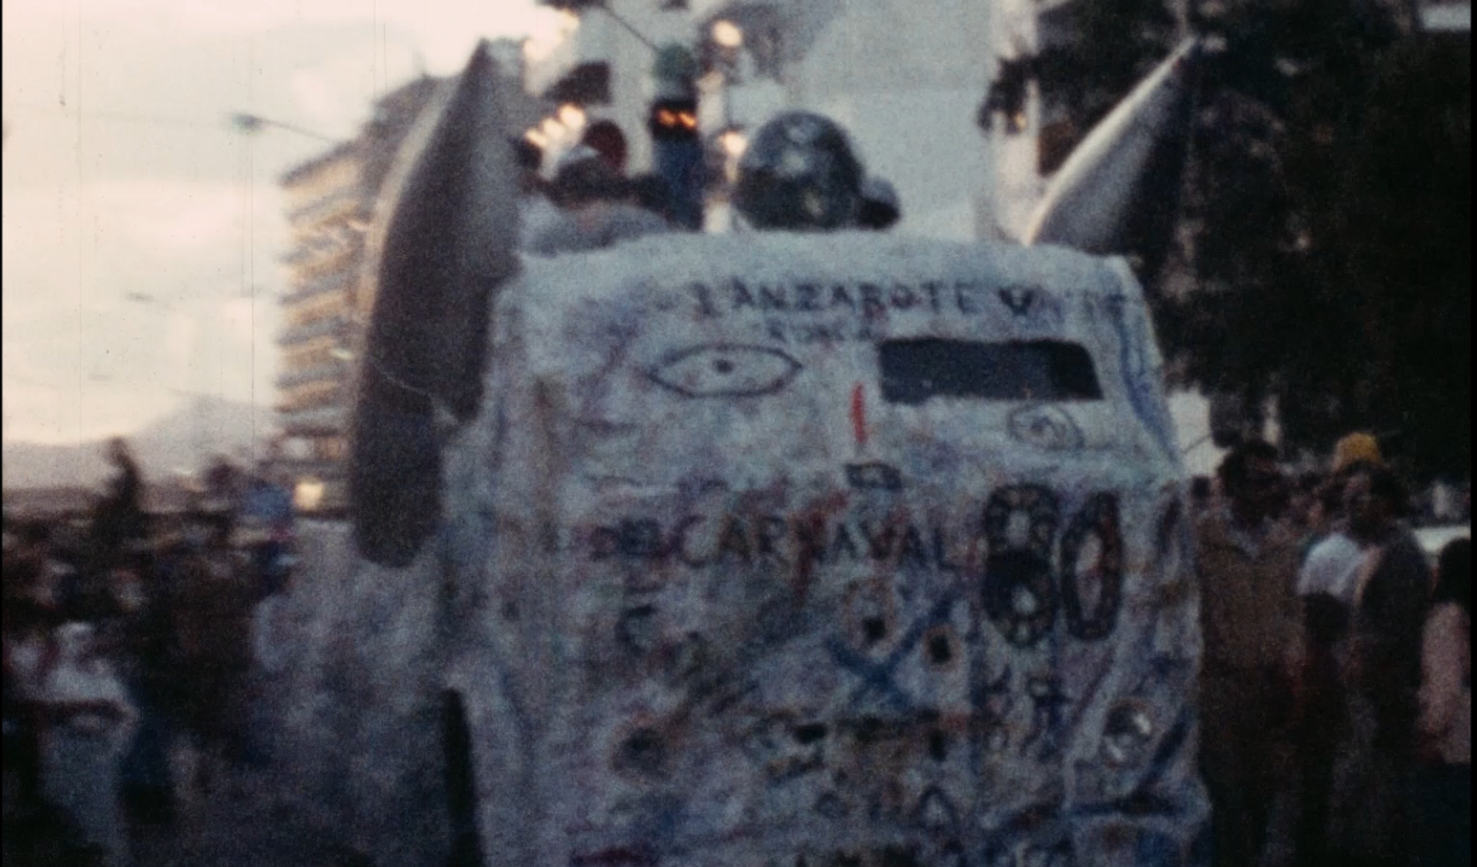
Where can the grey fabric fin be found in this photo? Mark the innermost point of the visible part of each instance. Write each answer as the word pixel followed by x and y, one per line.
pixel 449 243
pixel 1120 186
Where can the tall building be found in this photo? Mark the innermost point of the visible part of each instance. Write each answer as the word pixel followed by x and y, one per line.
pixel 327 215
pixel 904 84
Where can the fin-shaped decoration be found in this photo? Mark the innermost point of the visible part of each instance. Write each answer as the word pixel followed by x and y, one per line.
pixel 449 241
pixel 1118 190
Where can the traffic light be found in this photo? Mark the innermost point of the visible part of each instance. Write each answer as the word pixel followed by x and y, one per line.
pixel 676 145
pixel 677 156
pixel 673 119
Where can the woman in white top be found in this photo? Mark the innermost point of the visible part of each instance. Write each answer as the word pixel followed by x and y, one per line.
pixel 90 722
pixel 1444 782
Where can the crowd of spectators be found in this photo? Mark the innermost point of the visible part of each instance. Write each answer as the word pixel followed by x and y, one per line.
pixel 1335 690
pixel 128 660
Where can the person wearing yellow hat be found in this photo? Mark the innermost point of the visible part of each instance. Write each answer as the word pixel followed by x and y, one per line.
pixel 1327 581
pixel 1330 563
pixel 1356 448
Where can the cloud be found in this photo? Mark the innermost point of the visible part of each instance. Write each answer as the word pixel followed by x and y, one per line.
pixel 170 239
pixel 175 217
pixel 180 339
pixel 79 414
pixel 443 32
pixel 336 93
pixel 134 287
pixel 122 177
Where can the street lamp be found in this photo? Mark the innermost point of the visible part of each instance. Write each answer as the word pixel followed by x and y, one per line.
pixel 250 124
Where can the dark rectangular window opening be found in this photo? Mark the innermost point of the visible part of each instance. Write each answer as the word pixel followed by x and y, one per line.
pixel 586 84
pixel 1048 370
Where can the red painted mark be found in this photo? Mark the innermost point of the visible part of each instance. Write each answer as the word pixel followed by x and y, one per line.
pixel 859 415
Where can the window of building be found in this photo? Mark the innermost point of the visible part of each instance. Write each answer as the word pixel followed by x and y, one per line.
pixel 334 448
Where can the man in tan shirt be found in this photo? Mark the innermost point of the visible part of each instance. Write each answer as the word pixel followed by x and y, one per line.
pixel 1247 562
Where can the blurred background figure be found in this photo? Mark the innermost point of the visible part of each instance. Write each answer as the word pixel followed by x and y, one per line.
pixel 89 723
pixel 1334 557
pixel 800 173
pixel 1443 784
pixel 605 138
pixel 141 644
pixel 212 617
pixel 594 211
pixel 265 520
pixel 1331 562
pixel 221 485
pixel 118 517
pixel 30 822
pixel 40 572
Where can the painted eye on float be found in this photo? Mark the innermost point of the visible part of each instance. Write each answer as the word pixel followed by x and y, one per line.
pixel 725 370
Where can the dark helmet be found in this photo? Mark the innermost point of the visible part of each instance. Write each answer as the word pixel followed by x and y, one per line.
pixel 799 172
pixel 880 208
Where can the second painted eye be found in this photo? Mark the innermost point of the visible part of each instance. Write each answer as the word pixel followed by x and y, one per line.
pixel 725 370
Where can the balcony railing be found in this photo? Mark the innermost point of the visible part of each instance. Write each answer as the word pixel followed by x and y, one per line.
pixel 335 372
pixel 337 324
pixel 328 283
pixel 347 201
pixel 319 252
pixel 318 419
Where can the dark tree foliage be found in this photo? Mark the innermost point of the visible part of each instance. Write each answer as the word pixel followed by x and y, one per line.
pixel 1406 226
pixel 1322 246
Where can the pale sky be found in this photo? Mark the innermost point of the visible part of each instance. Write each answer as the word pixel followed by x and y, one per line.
pixel 143 235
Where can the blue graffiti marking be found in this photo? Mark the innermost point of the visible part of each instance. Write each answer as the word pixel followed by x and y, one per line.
pixel 879 677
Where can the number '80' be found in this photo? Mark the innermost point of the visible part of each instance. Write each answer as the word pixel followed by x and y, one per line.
pixel 1022 590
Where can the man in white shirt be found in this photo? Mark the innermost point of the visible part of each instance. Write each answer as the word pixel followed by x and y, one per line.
pixel 1331 568
pixel 1332 564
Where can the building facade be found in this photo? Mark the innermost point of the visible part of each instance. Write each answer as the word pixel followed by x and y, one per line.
pixel 327 215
